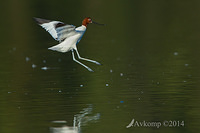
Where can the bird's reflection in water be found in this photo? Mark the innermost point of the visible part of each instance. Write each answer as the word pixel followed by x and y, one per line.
pixel 83 118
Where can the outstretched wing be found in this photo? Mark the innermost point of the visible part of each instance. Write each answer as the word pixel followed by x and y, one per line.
pixel 58 30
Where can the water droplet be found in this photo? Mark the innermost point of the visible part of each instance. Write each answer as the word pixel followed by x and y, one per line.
pixel 107 84
pixel 81 85
pixel 59 60
pixel 59 121
pixel 27 59
pixel 111 70
pixel 175 53
pixel 121 74
pixel 44 68
pixel 186 65
pixel 14 48
pixel 34 66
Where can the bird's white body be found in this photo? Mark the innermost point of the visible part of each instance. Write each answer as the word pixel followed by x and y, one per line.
pixel 67 35
pixel 70 43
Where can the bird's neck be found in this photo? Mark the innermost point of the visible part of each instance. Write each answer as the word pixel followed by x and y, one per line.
pixel 84 22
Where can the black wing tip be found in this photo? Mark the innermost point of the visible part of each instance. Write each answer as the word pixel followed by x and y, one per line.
pixel 37 20
pixel 41 21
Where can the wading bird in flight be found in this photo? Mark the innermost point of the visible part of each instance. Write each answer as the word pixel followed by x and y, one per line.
pixel 68 36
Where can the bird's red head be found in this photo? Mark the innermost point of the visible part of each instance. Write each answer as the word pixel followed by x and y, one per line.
pixel 87 21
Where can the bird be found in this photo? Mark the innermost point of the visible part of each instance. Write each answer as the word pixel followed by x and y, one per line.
pixel 68 36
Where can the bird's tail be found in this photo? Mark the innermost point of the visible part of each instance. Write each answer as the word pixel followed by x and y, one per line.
pixel 59 48
pixel 54 48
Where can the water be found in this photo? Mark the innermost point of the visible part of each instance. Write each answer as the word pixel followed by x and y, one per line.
pixel 150 72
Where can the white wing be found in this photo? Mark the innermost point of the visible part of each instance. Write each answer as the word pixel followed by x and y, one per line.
pixel 65 31
pixel 58 30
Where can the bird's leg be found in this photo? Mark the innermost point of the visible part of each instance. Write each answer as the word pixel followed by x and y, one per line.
pixel 93 61
pixel 89 69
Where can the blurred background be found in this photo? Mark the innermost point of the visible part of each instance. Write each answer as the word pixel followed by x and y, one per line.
pixel 150 72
